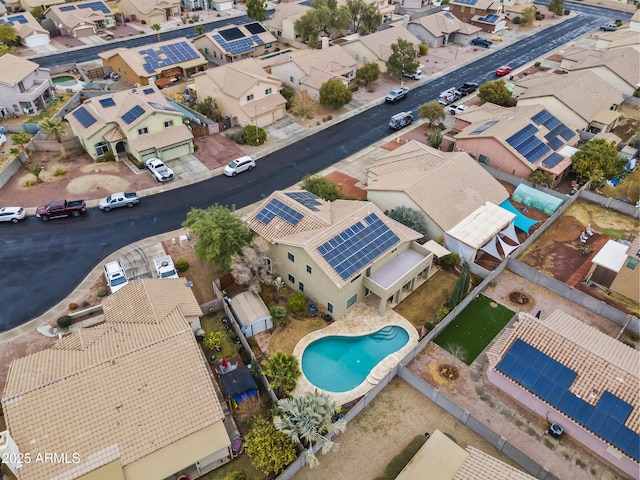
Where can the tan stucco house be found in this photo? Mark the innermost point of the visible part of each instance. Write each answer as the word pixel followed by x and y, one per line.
pixel 140 399
pixel 139 122
pixel 282 23
pixel 243 91
pixel 442 28
pixel 615 267
pixel 232 43
pixel 30 32
pixel 25 88
pixel 159 63
pixel 81 19
pixel 486 14
pixel 338 252
pixel 149 11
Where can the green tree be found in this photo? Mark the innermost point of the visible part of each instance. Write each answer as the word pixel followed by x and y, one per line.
pixel 495 92
pixel 461 287
pixel 540 178
pixel 56 127
pixel 213 340
pixel 402 58
pixel 365 18
pixel 528 15
pixel 8 34
pixel 289 94
pixel 255 135
pixel 321 187
pixel 324 18
pixel 411 218
pixel 277 314
pixel 4 49
pixel 199 29
pixel 597 161
pixel 35 169
pixel 283 371
pixel 335 93
pixel 209 108
pixel 221 234
pixel 432 111
pixel 556 7
pixel 308 419
pixel 38 13
pixel 369 72
pixel 156 27
pixel 256 10
pixel 435 138
pixel 21 139
pixel 269 450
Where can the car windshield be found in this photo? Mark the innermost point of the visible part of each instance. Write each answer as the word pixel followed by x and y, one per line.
pixel 169 273
pixel 118 280
pixel 109 199
pixel 233 164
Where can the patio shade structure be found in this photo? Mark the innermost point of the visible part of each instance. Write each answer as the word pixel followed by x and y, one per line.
pixel 521 221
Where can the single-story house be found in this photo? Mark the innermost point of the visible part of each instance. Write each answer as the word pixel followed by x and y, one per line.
pixel 442 28
pixel 251 313
pixel 232 43
pixel 148 11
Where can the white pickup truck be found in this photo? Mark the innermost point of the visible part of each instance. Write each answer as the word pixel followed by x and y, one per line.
pixel 165 267
pixel 120 199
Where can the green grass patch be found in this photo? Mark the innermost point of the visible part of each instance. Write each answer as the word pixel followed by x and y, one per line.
pixel 228 346
pixel 401 460
pixel 475 327
pixel 613 234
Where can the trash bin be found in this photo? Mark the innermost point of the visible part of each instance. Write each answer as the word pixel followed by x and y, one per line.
pixel 313 308
pixel 555 430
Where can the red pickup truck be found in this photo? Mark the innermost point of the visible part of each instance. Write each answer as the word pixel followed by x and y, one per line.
pixel 61 208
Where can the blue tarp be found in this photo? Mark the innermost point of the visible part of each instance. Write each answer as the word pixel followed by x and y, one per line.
pixel 537 199
pixel 521 221
pixel 239 384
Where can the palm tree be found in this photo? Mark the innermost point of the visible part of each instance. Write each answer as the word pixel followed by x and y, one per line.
pixel 56 127
pixel 156 28
pixel 199 29
pixel 308 419
pixel 21 139
pixel 35 169
pixel 283 370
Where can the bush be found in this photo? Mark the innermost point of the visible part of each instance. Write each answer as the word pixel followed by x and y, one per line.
pixel 450 260
pixel 254 136
pixel 65 321
pixel 73 306
pixel 238 475
pixel 237 137
pixel 102 293
pixel 567 11
pixel 58 172
pixel 443 312
pixel 516 20
pixel 277 314
pixel 29 183
pixel 181 264
pixel 424 49
pixel 512 101
pixel 297 302
pixel 86 304
pixel 353 87
pixel 537 64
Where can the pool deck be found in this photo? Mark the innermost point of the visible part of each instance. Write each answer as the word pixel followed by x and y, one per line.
pixel 362 320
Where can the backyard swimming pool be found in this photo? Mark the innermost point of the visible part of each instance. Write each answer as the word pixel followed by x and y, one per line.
pixel 64 80
pixel 341 363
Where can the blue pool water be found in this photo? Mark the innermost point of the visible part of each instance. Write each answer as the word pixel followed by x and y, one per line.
pixel 340 363
pixel 64 80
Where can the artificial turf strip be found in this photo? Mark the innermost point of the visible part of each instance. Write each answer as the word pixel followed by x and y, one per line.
pixel 475 327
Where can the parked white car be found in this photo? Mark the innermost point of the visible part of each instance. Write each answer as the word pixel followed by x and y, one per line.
pixel 12 214
pixel 115 276
pixel 453 109
pixel 239 165
pixel 165 267
pixel 159 170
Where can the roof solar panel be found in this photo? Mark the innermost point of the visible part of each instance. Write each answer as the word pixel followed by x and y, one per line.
pixel 624 438
pixel 484 127
pixel 148 91
pixel 276 208
pixel 517 348
pixel 567 133
pixel 66 8
pixel 255 28
pixel 552 160
pixel 634 448
pixel 107 102
pixel 555 395
pixel 231 34
pixel 132 114
pixel 542 387
pixel 581 411
pixel 621 411
pixel 568 403
pixel 610 430
pixel 555 143
pixel 84 117
pixel 595 421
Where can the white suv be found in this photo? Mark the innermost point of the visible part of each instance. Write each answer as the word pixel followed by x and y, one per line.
pixel 239 165
pixel 115 275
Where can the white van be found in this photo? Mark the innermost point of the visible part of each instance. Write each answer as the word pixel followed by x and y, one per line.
pixel 239 165
pixel 115 275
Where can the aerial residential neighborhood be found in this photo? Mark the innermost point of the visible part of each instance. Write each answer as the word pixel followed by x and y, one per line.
pixel 368 240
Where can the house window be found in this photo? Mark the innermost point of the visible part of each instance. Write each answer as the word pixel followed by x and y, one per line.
pixel 291 257
pixel 330 307
pixel 206 50
pixel 168 123
pixel 368 272
pixel 462 9
pixel 309 269
pixel 292 279
pixel 268 45
pixel 292 80
pixel 632 263
pixel 249 97
pixel 279 34
pixel 142 131
pixel 119 71
pixel 21 87
pixel 268 91
pixel 102 148
pixel 269 264
pixel 301 286
pixel 352 300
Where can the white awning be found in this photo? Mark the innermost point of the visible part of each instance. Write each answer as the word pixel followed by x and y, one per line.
pixel 437 249
pixel 612 256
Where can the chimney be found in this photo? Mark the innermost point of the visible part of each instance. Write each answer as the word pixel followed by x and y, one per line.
pixel 405 20
pixel 325 42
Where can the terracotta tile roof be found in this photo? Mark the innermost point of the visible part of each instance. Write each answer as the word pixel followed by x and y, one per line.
pixel 380 42
pixel 447 186
pixel 482 465
pixel 147 6
pixel 15 69
pixel 318 227
pixel 634 248
pixel 114 134
pixel 129 388
pixel 168 136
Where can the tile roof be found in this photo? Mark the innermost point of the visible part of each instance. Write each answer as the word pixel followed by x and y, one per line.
pixel 290 11
pixel 380 42
pixel 634 248
pixel 128 388
pixel 321 65
pixel 447 186
pixel 243 40
pixel 147 6
pixel 15 69
pixel 624 62
pixel 24 24
pixel 80 15
pixel 318 227
pixel 583 92
pixel 237 78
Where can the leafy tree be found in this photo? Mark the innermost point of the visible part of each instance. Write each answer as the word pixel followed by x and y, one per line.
pixel 303 105
pixel 199 29
pixel 248 267
pixel 156 27
pixel 597 161
pixel 8 34
pixel 56 127
pixel 297 302
pixel 221 234
pixel 308 419
pixel 411 218
pixel 209 108
pixel 402 58
pixel 528 15
pixel 21 139
pixel 369 72
pixel 461 287
pixel 325 17
pixel 269 450
pixel 256 10
pixel 4 49
pixel 495 92
pixel 289 94
pixel 432 111
pixel 335 93
pixel 448 261
pixel 540 178
pixel 321 187
pixel 556 7
pixel 365 18
pixel 38 13
pixel 435 138
pixel 255 135
pixel 283 372
pixel 35 169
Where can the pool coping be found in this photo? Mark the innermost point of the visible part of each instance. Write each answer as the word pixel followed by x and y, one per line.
pixel 362 320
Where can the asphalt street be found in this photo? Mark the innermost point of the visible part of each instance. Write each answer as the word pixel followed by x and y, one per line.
pixel 42 263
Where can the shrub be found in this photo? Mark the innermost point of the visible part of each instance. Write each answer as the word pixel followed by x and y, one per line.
pixel 238 475
pixel 450 260
pixel 537 64
pixel 213 340
pixel 181 264
pixel 353 87
pixel 297 302
pixel 86 304
pixel 443 312
pixel 424 49
pixel 73 306
pixel 516 20
pixel 277 314
pixel 237 137
pixel 512 101
pixel 29 183
pixel 65 321
pixel 102 293
pixel 58 172
pixel 567 11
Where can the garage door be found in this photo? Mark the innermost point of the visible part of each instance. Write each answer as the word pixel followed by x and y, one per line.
pixel 176 151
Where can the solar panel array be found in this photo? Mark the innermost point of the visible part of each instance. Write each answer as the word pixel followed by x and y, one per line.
pixel 84 117
pixel 96 7
pixel 357 246
pixel 14 19
pixel 527 144
pixel 255 28
pixel 275 208
pixel 148 91
pixel 552 160
pixel 489 18
pixel 556 129
pixel 231 34
pixel 67 8
pixel 482 128
pixel 550 380
pixel 307 199
pixel 107 102
pixel 238 46
pixel 132 114
pixel 161 106
pixel 167 55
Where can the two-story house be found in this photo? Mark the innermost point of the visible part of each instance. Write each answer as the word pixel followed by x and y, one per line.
pixel 25 88
pixel 442 28
pixel 81 19
pixel 486 14
pixel 338 252
pixel 139 122
pixel 232 43
pixel 243 90
pixel 148 11
pixel 282 23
